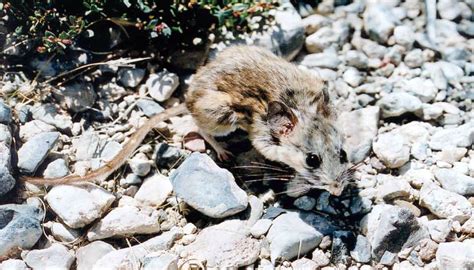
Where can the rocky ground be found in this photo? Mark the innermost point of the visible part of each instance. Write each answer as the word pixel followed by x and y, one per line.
pixel 401 74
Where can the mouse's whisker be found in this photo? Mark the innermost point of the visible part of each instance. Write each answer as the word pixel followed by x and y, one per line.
pixel 266 165
pixel 258 167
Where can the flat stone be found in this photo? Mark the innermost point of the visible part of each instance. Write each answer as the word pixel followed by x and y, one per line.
pixel 162 85
pixel 305 203
pixel 396 104
pixel 149 107
pixel 359 128
pixel 290 235
pixel 452 154
pixel 48 113
pixel 56 168
pixel 34 151
pixel 56 256
pixel 133 257
pixel 207 188
pixel 160 260
pixel 131 77
pixel 261 227
pixel 78 206
pixel 126 220
pixel 154 191
pixel 454 181
pixel 392 149
pixel 225 245
pixel 455 255
pixel 439 229
pixel 444 203
pixel 393 188
pixel 61 232
pixel 462 136
pixel 88 255
pixel 362 250
pixel 20 227
pixel 13 264
pixel 320 60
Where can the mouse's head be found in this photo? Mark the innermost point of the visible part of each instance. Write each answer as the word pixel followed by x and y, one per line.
pixel 307 141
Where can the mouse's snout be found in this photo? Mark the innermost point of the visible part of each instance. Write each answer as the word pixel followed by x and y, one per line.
pixel 335 189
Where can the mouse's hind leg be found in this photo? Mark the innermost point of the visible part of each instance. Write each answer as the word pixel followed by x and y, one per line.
pixel 222 153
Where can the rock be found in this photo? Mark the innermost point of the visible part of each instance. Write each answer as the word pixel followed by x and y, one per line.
pixel 207 188
pixel 77 97
pixel 140 164
pixel 423 89
pixel 327 36
pixel 340 247
pixel 321 60
pixel 35 150
pixel 449 9
pixel 194 142
pixel 392 149
pixel 88 255
pixel 455 255
pixel 225 245
pixel 160 260
pixel 13 264
pixel 261 227
pixel 468 226
pixel 404 36
pixel 379 22
pixel 320 258
pixel 357 59
pixel 162 85
pixel 397 229
pixel 427 250
pixel 315 22
pixel 7 181
pixel 352 77
pixel 396 104
pixel 454 181
pixel 111 91
pixel 49 114
pixel 56 256
pixel 133 257
pixel 388 258
pixel 93 143
pixel 286 37
pixel 20 227
pixel 443 203
pixel 462 136
pixel 256 210
pixel 126 220
pixel 61 232
pixel 78 206
pixel 393 188
pixel 305 203
pixel 166 155
pixel 149 107
pixel 304 263
pixel 290 235
pixel 362 251
pixel 359 128
pixel 5 113
pixel 154 191
pixel 414 58
pixel 130 77
pixel 452 154
pixel 130 179
pixel 33 128
pixel 57 168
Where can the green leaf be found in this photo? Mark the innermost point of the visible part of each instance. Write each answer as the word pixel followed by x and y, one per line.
pixel 49 34
pixel 127 3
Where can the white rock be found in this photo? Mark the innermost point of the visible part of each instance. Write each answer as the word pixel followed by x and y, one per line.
pixel 34 127
pixel 78 206
pixel 63 233
pixel 88 255
pixel 126 220
pixel 404 36
pixel 396 104
pixel 392 149
pixel 462 136
pixel 139 164
pixel 261 227
pixel 160 260
pixel 454 181
pixel 131 77
pixel 393 187
pixel 414 58
pixel 315 22
pixel 424 89
pixel 443 203
pixel 439 229
pixel 352 77
pixel 13 264
pixel 455 255
pixel 379 22
pixel 304 263
pixel 154 191
pixel 162 85
pixel 57 168
pixel 56 256
pixel 189 229
pixel 451 154
pixel 449 9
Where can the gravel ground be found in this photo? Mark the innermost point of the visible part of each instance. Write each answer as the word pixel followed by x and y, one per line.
pixel 401 73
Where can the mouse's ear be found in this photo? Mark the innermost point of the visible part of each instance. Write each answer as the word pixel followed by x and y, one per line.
pixel 323 104
pixel 280 118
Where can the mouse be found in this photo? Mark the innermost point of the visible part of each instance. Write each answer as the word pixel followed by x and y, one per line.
pixel 286 111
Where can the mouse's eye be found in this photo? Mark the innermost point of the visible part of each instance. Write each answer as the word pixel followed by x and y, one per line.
pixel 343 156
pixel 313 161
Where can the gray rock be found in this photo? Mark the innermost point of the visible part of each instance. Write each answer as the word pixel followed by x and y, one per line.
pixel 321 60
pixel 388 258
pixel 462 136
pixel 111 91
pixel 305 203
pixel 166 155
pixel 5 113
pixel 130 179
pixel 126 220
pixel 149 107
pixel 13 264
pixel 33 128
pixel 379 22
pixel 396 104
pixel 359 128
pixel 392 149
pixel 454 181
pixel 357 59
pixel 162 85
pixel 88 255
pixel 56 256
pixel 404 36
pixel 443 203
pixel 154 191
pixel 76 97
pixel 57 168
pixel 290 235
pixel 131 77
pixel 225 245
pixel 20 227
pixel 455 255
pixel 439 229
pixel 160 260
pixel 324 205
pixel 207 188
pixel 397 229
pixel 78 206
pixel 362 251
pixel 133 257
pixel 35 150
pixel 49 114
pixel 340 247
pixel 261 227
pixel 7 181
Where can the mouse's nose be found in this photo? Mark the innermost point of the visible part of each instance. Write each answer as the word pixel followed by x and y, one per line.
pixel 335 189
